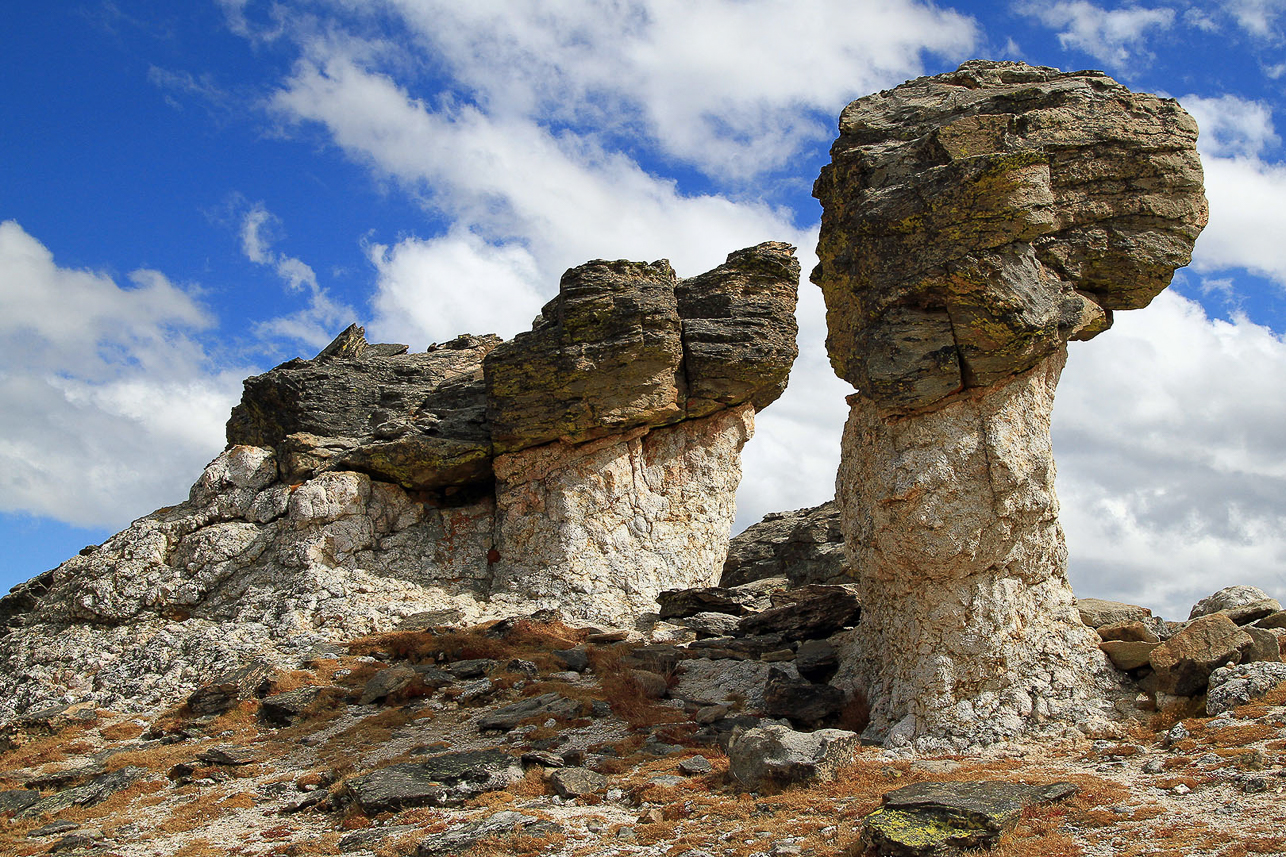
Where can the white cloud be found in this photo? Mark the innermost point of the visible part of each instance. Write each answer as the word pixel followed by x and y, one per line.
pixel 1169 431
pixel 1232 126
pixel 1258 17
pixel 1115 37
pixel 450 285
pixel 108 406
pixel 315 324
pixel 730 86
pixel 1247 212
pixel 1246 189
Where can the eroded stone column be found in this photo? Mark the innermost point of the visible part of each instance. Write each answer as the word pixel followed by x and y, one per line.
pixel 973 223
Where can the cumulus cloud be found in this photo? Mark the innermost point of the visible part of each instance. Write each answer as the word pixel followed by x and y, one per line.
pixel 1168 432
pixel 1246 188
pixel 730 86
pixel 1258 17
pixel 315 324
pixel 1113 36
pixel 108 404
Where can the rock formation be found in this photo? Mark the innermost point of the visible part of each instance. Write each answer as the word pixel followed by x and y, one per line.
pixel 973 223
pixel 585 466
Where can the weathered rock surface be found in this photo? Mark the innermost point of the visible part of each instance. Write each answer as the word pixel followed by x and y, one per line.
pixel 1239 684
pixel 417 420
pixel 735 600
pixel 1098 613
pixel 778 755
pixel 973 223
pixel 1232 598
pixel 804 546
pixel 935 819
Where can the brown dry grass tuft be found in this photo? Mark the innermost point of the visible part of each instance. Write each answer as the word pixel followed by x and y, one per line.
pixel 526 639
pixel 624 693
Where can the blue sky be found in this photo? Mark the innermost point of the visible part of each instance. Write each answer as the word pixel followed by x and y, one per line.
pixel 192 193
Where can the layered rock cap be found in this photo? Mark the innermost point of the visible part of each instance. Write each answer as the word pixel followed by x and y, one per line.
pixel 625 344
pixel 975 221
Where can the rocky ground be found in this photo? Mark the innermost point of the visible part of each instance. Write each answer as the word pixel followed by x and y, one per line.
pixel 530 737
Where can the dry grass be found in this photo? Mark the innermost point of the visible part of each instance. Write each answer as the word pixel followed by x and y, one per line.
pixel 624 693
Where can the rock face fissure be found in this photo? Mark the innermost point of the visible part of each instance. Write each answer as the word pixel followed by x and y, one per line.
pixel 585 466
pixel 973 223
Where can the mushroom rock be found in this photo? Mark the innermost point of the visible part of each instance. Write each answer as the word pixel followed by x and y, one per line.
pixel 587 465
pixel 974 222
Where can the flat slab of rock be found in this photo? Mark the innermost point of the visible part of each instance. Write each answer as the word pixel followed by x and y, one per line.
pixel 460 837
pixel 937 819
pixel 444 780
pixel 546 705
pixel 576 782
pixel 737 600
pixel 1230 598
pixel 819 611
pixel 1097 612
pixel 95 791
pixel 1128 654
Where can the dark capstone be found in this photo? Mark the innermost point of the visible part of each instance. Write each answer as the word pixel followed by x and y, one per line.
pixel 545 705
pixel 431 677
pixel 619 318
pixel 415 419
pixel 739 329
pixel 799 700
pixel 626 344
pixel 805 546
pixel 937 818
pixel 975 221
pixel 817 660
pixel 743 648
pixel 16 800
pixel 818 611
pixel 576 659
pixel 441 780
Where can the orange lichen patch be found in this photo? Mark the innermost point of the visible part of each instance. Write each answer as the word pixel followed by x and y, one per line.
pixel 1239 735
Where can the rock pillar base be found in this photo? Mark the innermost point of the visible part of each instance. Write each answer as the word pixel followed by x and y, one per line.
pixel 969 632
pixel 599 529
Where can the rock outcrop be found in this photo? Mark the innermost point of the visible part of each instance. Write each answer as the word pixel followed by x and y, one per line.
pixel 973 223
pixel 587 465
pixel 803 546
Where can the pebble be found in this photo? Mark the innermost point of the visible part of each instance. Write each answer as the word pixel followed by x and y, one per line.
pixel 1181 789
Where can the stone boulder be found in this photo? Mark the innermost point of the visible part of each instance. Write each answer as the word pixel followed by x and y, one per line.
pixel 1099 613
pixel 444 780
pixel 972 223
pixel 778 755
pixel 1184 662
pixel 1239 684
pixel 999 210
pixel 1242 604
pixel 627 344
pixel 934 819
pixel 804 546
